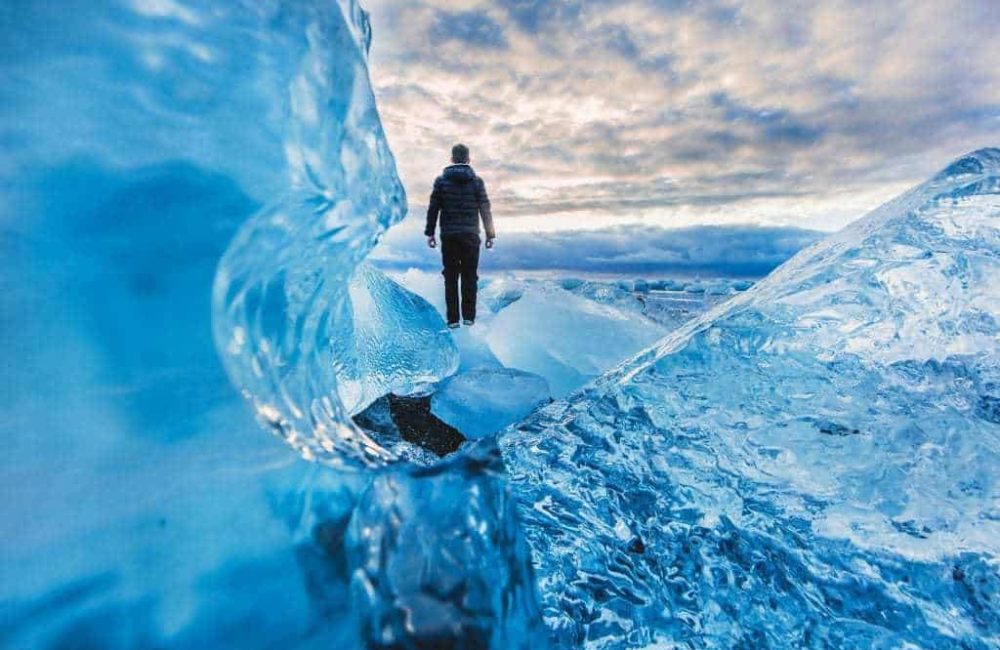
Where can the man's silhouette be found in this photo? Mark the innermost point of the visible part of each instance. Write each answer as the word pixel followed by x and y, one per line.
pixel 459 197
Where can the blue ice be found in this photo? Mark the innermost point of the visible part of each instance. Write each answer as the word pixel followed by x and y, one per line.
pixel 190 191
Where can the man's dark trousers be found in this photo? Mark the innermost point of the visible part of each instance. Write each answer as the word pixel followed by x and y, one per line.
pixel 460 254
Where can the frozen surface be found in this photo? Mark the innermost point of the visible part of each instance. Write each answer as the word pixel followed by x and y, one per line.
pixel 143 507
pixel 565 338
pixel 437 560
pixel 812 464
pixel 484 400
pixel 568 336
pixel 669 302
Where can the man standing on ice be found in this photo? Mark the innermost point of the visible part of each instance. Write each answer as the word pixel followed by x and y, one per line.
pixel 459 197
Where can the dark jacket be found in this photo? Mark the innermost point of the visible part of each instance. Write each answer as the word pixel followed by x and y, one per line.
pixel 459 196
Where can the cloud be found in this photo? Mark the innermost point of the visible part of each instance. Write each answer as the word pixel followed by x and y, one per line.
pixel 532 15
pixel 474 28
pixel 724 251
pixel 677 112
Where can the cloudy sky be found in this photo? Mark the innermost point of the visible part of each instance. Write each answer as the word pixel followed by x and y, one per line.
pixel 603 114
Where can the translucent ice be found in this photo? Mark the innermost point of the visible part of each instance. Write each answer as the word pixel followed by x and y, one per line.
pixel 484 400
pixel 398 342
pixel 811 464
pixel 282 308
pixel 436 560
pixel 142 505
pixel 565 338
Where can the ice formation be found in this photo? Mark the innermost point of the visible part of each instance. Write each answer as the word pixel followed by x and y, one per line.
pixel 398 343
pixel 812 464
pixel 419 577
pixel 143 507
pixel 281 314
pixel 484 400
pixel 568 337
pixel 565 338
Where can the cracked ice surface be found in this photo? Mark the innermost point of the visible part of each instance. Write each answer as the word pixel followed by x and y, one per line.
pixel 812 464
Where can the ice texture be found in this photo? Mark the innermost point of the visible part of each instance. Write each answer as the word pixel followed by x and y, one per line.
pixel 565 338
pixel 282 306
pixel 541 327
pixel 664 301
pixel 811 464
pixel 398 343
pixel 143 507
pixel 484 400
pixel 437 560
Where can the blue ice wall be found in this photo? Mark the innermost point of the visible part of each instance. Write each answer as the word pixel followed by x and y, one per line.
pixel 142 140
pixel 812 464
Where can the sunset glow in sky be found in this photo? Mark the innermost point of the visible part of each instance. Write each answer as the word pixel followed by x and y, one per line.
pixel 591 114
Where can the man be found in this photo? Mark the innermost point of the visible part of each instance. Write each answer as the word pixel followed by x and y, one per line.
pixel 459 197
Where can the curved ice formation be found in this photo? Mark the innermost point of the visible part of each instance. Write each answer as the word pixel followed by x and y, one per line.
pixel 305 344
pixel 141 508
pixel 812 464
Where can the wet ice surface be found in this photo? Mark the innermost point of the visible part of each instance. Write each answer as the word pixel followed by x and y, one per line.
pixel 809 465
pixel 143 506
pixel 537 338
pixel 812 464
pixel 486 399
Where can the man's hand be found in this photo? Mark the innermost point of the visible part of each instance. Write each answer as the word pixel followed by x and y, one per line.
pixel 432 242
pixel 489 243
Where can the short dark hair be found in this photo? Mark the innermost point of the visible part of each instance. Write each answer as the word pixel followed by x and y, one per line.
pixel 460 154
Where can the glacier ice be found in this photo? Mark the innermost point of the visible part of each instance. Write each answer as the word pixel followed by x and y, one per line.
pixel 421 580
pixel 282 305
pixel 669 302
pixel 810 464
pixel 566 339
pixel 143 507
pixel 484 400
pixel 535 338
pixel 398 344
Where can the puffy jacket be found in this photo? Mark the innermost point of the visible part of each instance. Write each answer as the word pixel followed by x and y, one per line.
pixel 459 196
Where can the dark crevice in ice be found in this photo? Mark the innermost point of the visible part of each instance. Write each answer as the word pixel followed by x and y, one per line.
pixel 410 418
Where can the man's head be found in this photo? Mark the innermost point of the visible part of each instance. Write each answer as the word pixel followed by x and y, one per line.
pixel 460 154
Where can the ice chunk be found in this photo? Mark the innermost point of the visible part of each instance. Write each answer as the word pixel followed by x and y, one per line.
pixel 486 399
pixel 437 560
pixel 282 308
pixel 502 292
pixel 398 343
pixel 811 462
pixel 566 339
pixel 566 335
pixel 142 505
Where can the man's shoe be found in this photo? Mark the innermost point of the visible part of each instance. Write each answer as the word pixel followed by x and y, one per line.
pixel 468 323
pixel 453 326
